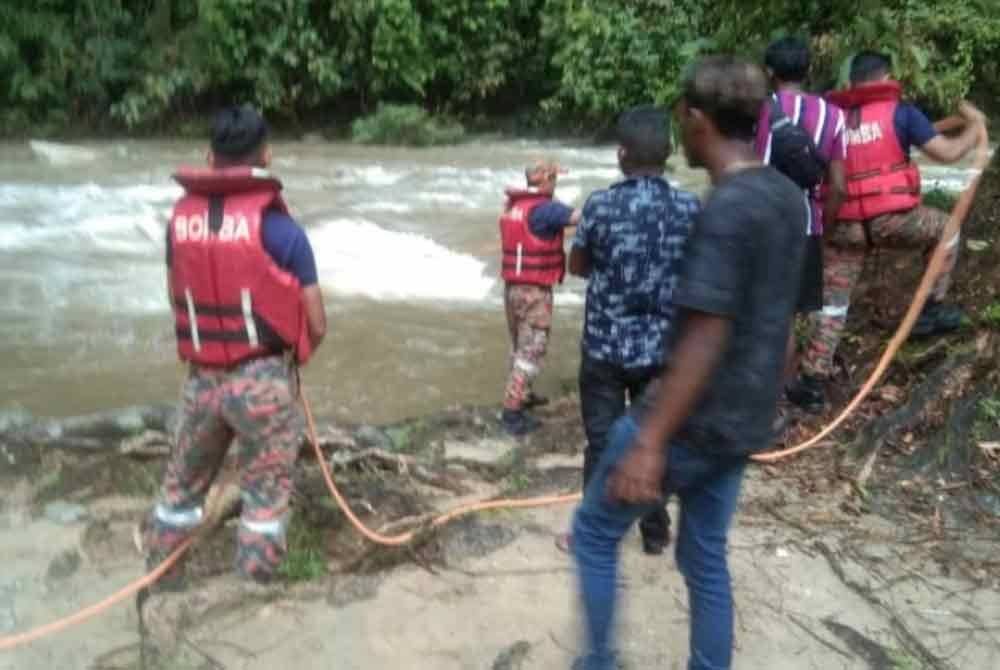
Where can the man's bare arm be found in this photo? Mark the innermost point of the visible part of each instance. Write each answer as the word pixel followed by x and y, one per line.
pixel 579 262
pixel 312 298
pixel 702 342
pixel 944 149
pixel 836 192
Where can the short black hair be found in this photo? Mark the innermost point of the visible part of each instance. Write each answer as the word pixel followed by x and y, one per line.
pixel 644 132
pixel 729 91
pixel 788 58
pixel 869 65
pixel 238 133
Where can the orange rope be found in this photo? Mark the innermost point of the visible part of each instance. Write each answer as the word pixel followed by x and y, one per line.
pixel 933 271
pixel 95 609
pixel 451 515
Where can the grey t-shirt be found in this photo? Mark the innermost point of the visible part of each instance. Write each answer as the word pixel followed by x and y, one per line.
pixel 744 261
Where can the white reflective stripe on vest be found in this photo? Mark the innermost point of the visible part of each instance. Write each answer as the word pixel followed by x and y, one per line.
pixel 183 518
pixel 527 367
pixel 192 320
pixel 834 311
pixel 520 254
pixel 248 317
pixel 272 527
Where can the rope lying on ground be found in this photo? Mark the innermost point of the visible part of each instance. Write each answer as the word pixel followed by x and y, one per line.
pixel 953 227
pixel 949 237
pixel 213 517
pixel 451 515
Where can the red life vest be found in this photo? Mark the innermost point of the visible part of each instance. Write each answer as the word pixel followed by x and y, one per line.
pixel 231 301
pixel 881 179
pixel 528 259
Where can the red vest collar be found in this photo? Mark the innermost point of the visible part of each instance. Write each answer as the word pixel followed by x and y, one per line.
pixel 865 94
pixel 522 193
pixel 223 181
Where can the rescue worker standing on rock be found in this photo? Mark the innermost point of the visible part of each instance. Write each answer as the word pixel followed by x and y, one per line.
pixel 248 310
pixel 532 229
pixel 883 209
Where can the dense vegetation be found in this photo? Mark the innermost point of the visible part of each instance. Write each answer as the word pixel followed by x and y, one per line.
pixel 145 64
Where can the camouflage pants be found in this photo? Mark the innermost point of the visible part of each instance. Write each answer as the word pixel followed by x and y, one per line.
pixel 529 318
pixel 844 254
pixel 255 403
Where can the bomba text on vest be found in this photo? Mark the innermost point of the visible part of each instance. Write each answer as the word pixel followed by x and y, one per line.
pixel 196 229
pixel 866 133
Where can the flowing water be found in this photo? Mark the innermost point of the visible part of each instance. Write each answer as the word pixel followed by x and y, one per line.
pixel 405 240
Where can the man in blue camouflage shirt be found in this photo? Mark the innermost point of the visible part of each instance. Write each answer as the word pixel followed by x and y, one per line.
pixel 629 246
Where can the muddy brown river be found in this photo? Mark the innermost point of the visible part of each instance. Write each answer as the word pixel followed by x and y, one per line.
pixel 405 239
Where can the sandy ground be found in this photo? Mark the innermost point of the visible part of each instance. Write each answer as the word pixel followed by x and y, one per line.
pixel 504 598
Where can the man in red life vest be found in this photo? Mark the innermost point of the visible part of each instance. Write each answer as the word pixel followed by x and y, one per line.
pixel 883 209
pixel 247 309
pixel 531 230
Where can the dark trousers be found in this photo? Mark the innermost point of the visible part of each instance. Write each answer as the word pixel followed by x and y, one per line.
pixel 605 389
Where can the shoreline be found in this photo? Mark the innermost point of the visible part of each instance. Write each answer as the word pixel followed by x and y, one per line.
pixel 830 581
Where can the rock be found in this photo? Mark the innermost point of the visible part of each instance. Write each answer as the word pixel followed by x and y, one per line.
pixel 370 436
pixel 559 462
pixel 64 565
pixel 14 418
pixel 471 538
pixel 337 438
pixel 485 451
pixel 513 657
pixel 65 513
pixel 8 619
pixel 352 589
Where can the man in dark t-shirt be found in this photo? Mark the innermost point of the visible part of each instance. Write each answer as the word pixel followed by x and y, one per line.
pixel 715 402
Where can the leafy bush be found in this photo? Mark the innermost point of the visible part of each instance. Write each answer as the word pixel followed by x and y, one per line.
pixel 406 125
pixel 940 199
pixel 939 50
pixel 137 63
pixel 612 54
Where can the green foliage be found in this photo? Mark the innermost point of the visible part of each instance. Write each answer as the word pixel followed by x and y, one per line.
pixel 616 53
pixel 407 125
pixel 939 50
pixel 990 315
pixel 940 199
pixel 989 410
pixel 306 557
pixel 140 63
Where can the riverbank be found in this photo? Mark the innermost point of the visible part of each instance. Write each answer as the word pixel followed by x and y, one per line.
pixel 825 577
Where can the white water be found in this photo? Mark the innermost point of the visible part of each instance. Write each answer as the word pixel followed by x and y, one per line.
pixel 406 246
pixel 405 242
pixel 356 257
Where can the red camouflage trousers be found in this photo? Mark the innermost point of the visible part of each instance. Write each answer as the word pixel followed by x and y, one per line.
pixel 255 405
pixel 529 319
pixel 844 252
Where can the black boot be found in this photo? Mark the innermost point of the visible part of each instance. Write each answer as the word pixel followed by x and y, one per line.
pixel 534 400
pixel 808 393
pixel 938 318
pixel 518 423
pixel 654 529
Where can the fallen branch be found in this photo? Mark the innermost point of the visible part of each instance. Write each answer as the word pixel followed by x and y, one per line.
pixel 906 636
